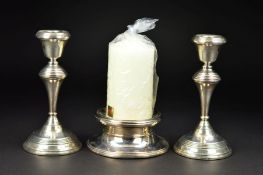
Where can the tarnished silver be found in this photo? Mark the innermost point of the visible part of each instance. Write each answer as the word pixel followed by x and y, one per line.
pixel 204 143
pixel 52 139
pixel 127 139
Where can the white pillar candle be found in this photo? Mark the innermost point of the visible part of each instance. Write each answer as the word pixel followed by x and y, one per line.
pixel 132 81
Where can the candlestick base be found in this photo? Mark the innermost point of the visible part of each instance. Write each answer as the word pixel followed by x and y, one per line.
pixel 127 139
pixel 52 139
pixel 203 144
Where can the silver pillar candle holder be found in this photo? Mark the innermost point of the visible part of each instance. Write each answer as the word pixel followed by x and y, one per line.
pixel 127 138
pixel 204 143
pixel 52 139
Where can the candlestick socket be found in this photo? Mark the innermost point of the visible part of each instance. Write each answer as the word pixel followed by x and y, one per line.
pixel 208 46
pixel 53 42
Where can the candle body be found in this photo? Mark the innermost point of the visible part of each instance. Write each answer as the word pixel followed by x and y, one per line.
pixel 132 81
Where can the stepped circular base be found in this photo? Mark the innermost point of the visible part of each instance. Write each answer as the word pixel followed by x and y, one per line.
pixel 119 147
pixel 65 143
pixel 128 138
pixel 188 147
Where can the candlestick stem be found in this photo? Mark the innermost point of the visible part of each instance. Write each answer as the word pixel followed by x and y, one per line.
pixel 206 90
pixel 53 87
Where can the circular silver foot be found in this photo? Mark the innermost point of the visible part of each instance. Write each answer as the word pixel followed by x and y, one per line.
pixel 203 144
pixel 187 147
pixel 62 144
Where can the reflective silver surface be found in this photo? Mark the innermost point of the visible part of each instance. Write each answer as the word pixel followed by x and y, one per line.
pixel 204 143
pixel 127 139
pixel 52 139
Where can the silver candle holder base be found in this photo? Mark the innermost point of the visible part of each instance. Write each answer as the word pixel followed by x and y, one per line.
pixel 128 139
pixel 203 144
pixel 52 139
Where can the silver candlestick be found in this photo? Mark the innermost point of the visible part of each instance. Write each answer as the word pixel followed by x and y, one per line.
pixel 204 143
pixel 52 139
